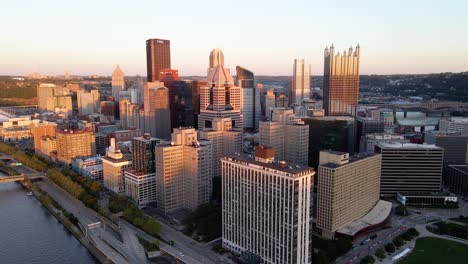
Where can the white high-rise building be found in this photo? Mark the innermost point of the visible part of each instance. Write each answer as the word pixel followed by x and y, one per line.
pixel 288 135
pixel 118 83
pixel 300 85
pixel 157 110
pixel 250 99
pixel 113 168
pixel 267 208
pixel 88 102
pixel 216 58
pixel 183 172
pixel 224 141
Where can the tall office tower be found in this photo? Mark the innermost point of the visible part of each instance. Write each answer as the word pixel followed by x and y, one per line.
pixel 143 153
pixel 341 82
pixel 329 132
pixel 454 125
pixel 348 192
pixel 250 98
pixel 260 222
pixel 88 102
pixel 136 91
pixel 455 146
pixel 118 83
pixel 369 141
pixel 456 179
pixel 183 172
pixel 410 168
pixel 158 57
pixel 140 180
pixel 367 125
pixel 216 58
pixel 220 98
pixel 270 103
pixel 114 165
pixel 41 129
pixel 187 103
pixel 300 85
pixel 287 135
pixel 170 77
pixel 224 141
pixel 157 110
pixel 73 144
pixel 124 108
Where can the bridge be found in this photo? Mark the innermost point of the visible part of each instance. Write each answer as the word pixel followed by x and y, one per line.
pixel 21 177
pixel 432 106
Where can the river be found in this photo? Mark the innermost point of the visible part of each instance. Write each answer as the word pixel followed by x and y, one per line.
pixel 30 234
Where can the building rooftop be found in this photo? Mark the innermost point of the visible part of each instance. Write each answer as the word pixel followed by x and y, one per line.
pixel 123 159
pixel 276 165
pixel 406 145
pixel 458 119
pixel 329 118
pixel 352 159
pixel 375 216
pixel 384 136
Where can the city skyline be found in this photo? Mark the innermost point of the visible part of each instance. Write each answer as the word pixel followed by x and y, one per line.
pixel 80 46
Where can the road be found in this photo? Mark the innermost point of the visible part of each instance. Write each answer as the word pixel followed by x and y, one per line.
pixel 118 251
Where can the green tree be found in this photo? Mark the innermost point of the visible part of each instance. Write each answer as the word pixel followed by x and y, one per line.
pixel 390 248
pixel 380 253
pixel 368 260
pixel 401 210
pixel 398 241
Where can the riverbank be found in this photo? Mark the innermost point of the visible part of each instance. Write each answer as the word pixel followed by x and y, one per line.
pixel 74 230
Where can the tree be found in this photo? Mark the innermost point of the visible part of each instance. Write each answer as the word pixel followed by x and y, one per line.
pixel 398 241
pixel 380 253
pixel 368 260
pixel 401 210
pixel 390 248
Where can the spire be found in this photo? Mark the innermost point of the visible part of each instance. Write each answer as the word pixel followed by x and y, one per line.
pixel 117 71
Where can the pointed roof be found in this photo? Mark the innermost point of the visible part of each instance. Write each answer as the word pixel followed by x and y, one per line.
pixel 220 76
pixel 117 71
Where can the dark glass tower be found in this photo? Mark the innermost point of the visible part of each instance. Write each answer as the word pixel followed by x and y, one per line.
pixel 158 57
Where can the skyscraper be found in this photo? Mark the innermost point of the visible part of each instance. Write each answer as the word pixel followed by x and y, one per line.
pixel 54 98
pixel 300 84
pixel 118 83
pixel 341 82
pixel 267 208
pixel 88 102
pixel 183 172
pixel 287 135
pixel 140 180
pixel 157 110
pixel 250 98
pixel 216 58
pixel 220 98
pixel 158 57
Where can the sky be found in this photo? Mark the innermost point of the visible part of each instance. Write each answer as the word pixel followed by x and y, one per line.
pixel 90 37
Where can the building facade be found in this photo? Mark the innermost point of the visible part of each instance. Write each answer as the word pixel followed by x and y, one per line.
pixel 224 141
pixel 183 172
pixel 454 125
pixel 287 135
pixel 300 84
pixel 220 99
pixel 266 208
pixel 250 99
pixel 408 167
pixel 158 57
pixel 348 188
pixel 114 165
pixel 118 83
pixel 369 141
pixel 341 82
pixel 157 110
pixel 73 144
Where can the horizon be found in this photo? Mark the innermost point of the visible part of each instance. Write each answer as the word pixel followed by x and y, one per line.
pixel 265 36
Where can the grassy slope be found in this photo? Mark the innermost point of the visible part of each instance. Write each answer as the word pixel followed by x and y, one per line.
pixel 431 250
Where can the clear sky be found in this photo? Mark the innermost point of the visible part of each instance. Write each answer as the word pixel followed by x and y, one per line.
pixel 86 37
